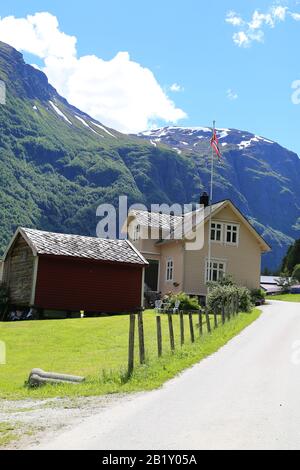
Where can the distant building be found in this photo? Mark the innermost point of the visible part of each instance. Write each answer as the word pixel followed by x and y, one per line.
pixel 270 284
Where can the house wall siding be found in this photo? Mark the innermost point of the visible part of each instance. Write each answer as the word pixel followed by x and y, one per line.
pixel 242 262
pixel 172 250
pixel 75 284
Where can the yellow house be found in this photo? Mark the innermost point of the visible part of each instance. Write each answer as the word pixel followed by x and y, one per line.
pixel 236 249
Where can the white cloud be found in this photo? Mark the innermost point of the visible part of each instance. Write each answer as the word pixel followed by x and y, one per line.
pixel 119 92
pixel 241 39
pixel 253 30
pixel 232 95
pixel 38 34
pixel 176 88
pixel 295 16
pixel 279 12
pixel 234 19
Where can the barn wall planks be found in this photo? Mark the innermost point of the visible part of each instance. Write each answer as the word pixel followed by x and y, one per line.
pixel 76 284
pixel 18 272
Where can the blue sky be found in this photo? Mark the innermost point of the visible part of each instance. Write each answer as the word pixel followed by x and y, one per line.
pixel 190 44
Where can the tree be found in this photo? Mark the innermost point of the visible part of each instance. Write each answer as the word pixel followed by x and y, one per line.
pixel 285 282
pixel 296 272
pixel 292 258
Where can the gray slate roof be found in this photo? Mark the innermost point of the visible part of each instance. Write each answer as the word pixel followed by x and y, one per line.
pixel 165 221
pixel 155 219
pixel 59 244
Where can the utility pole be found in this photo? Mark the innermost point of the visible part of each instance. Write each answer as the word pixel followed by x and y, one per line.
pixel 210 208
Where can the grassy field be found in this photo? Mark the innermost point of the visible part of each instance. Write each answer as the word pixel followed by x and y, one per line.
pixel 97 349
pixel 286 297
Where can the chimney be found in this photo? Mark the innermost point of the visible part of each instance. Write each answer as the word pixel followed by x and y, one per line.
pixel 204 199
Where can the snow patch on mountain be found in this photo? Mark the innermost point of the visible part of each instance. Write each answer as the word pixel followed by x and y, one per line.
pixel 103 129
pixel 59 112
pixel 86 125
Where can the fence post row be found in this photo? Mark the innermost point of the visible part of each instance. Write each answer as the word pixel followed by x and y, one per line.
pixel 229 308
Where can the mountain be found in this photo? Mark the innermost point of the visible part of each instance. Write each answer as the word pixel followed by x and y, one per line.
pixel 57 164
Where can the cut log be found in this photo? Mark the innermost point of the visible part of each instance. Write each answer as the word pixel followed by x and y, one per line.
pixel 39 377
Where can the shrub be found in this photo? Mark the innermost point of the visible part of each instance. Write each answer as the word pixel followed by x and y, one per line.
pixel 257 295
pixel 220 295
pixel 244 299
pixel 186 302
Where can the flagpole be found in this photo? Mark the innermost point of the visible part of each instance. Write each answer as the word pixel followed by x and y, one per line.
pixel 210 208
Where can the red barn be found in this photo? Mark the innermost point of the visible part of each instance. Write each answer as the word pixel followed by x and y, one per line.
pixel 55 271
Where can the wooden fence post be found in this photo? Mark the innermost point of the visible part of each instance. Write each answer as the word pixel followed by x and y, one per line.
pixel 181 318
pixel 191 327
pixel 141 337
pixel 200 323
pixel 215 320
pixel 233 306
pixel 229 309
pixel 207 321
pixel 131 344
pixel 159 335
pixel 223 313
pixel 171 332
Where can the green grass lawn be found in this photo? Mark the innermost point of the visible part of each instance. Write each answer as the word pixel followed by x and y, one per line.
pixel 97 349
pixel 286 297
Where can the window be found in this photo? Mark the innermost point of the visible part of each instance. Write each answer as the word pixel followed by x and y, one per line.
pixel 170 270
pixel 216 271
pixel 231 236
pixel 216 232
pixel 136 233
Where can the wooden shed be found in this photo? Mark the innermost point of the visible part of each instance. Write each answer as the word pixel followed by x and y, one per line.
pixel 63 272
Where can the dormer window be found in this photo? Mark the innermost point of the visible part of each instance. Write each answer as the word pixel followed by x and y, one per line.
pixel 136 233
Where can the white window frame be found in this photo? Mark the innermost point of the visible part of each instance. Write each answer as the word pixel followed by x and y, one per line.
pixel 217 261
pixel 136 233
pixel 232 225
pixel 215 223
pixel 169 270
pixel 224 229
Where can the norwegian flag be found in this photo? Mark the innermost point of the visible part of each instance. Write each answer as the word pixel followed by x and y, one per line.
pixel 214 142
